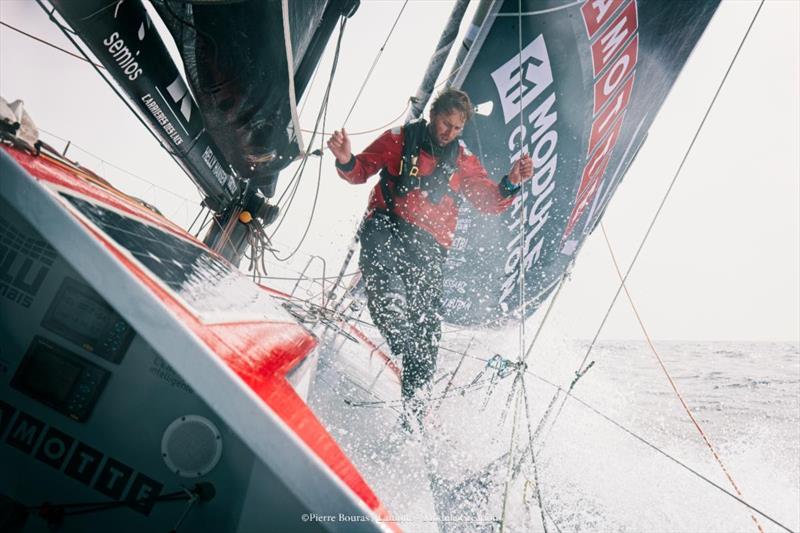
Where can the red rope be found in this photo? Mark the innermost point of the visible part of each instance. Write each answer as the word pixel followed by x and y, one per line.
pixel 671 381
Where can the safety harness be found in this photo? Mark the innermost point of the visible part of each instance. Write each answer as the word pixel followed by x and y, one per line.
pixel 436 184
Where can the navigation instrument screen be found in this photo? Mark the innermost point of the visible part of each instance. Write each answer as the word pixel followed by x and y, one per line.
pixel 80 315
pixel 60 379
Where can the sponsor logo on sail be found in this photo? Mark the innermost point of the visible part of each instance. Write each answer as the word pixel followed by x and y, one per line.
pixel 536 134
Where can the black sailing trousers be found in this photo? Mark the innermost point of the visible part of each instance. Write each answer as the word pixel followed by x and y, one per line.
pixel 402 270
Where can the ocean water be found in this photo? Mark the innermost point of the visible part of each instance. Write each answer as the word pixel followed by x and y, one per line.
pixel 593 473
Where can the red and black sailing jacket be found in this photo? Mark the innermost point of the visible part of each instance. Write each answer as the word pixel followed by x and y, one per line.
pixel 469 182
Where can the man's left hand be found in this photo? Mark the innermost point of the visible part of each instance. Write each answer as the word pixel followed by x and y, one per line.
pixel 522 170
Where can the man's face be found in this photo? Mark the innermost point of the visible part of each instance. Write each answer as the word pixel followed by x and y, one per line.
pixel 445 127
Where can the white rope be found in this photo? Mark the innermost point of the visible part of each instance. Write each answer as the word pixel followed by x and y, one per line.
pixel 287 44
pixel 521 201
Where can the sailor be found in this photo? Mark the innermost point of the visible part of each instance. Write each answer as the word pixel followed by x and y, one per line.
pixel 426 171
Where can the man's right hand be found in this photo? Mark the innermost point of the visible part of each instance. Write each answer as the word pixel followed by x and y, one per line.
pixel 339 145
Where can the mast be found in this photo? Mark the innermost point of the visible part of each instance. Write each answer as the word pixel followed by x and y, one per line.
pixel 473 40
pixel 438 58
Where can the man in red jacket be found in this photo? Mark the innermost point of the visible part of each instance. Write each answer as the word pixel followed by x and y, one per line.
pixel 426 171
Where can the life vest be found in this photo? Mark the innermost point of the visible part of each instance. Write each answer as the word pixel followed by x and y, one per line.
pixel 436 184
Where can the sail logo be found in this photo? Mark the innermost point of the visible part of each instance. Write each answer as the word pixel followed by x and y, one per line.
pixel 223 178
pixel 535 134
pixel 180 94
pixel 615 54
pixel 162 119
pixel 516 90
pixel 123 56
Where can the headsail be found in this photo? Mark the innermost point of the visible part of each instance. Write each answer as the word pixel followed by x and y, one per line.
pixel 577 87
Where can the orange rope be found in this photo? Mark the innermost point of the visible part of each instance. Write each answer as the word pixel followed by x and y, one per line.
pixel 669 377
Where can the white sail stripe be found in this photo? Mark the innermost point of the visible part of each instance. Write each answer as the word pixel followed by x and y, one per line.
pixel 287 44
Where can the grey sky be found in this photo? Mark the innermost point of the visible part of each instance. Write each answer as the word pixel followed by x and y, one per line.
pixel 723 262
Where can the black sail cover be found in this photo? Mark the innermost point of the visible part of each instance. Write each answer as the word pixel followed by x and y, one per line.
pixel 236 63
pixel 579 95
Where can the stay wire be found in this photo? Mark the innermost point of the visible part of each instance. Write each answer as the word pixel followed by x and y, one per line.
pixel 544 318
pixel 67 32
pixel 374 62
pixel 521 199
pixel 582 368
pixel 649 444
pixel 298 174
pixel 121 169
pixel 672 183
pixel 373 130
pixel 512 394
pixel 663 367
pixel 324 113
pixel 537 486
pixel 51 45
pixel 509 477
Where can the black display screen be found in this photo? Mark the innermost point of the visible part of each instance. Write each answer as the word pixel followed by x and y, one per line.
pixel 49 376
pixel 60 379
pixel 80 315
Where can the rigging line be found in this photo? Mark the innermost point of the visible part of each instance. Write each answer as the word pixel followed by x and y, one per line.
pixel 690 469
pixel 206 222
pixel 320 278
pixel 674 179
pixel 307 90
pixel 290 189
pixel 66 31
pixel 644 441
pixel 510 463
pixel 581 367
pixel 374 62
pixel 295 181
pixel 458 367
pixel 450 350
pixel 512 394
pixel 669 377
pixel 373 130
pixel 199 212
pixel 324 113
pixel 461 390
pixel 128 172
pixel 223 239
pixel 544 318
pixel 536 488
pixel 109 5
pixel 51 45
pixel 297 174
pixel 521 198
pixel 346 399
